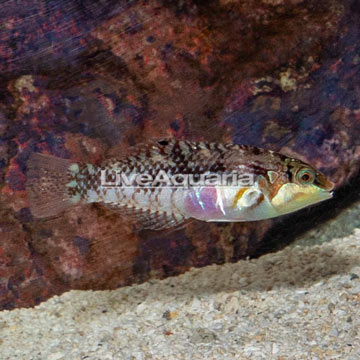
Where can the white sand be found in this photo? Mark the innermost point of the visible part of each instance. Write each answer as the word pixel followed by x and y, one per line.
pixel 300 303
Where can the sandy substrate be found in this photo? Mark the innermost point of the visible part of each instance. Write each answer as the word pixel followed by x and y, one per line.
pixel 300 303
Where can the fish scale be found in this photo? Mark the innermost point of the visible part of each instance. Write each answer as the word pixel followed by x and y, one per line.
pixel 280 184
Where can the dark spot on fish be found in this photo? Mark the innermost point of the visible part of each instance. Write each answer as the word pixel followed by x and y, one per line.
pixel 82 244
pixel 163 142
pixel 150 39
pixel 289 173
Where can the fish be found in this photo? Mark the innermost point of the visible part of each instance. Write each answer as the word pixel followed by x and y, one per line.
pixel 163 183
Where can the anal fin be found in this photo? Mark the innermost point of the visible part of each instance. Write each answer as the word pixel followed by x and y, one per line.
pixel 152 220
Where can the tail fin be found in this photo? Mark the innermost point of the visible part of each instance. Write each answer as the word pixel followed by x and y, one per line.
pixel 46 188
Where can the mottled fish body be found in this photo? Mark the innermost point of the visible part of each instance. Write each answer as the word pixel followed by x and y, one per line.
pixel 164 183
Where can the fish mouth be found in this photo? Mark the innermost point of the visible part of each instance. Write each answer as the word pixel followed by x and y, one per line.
pixel 293 197
pixel 326 195
pixel 324 183
pixel 329 185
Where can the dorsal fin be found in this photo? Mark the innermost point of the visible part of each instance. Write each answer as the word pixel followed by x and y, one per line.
pixel 141 151
pixel 166 150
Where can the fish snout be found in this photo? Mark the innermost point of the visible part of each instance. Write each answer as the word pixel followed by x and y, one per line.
pixel 324 183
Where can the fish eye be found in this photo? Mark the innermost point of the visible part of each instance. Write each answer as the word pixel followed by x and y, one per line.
pixel 305 177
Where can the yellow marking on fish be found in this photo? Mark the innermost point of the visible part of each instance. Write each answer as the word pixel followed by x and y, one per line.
pixel 238 196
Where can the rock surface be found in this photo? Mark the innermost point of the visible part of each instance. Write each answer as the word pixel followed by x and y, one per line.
pixel 299 303
pixel 84 80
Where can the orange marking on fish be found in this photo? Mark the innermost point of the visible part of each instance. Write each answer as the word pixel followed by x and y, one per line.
pixel 238 196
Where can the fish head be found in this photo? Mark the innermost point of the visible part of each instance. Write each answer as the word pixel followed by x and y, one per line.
pixel 281 185
pixel 298 186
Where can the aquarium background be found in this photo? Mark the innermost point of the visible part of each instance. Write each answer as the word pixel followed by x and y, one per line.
pixel 86 80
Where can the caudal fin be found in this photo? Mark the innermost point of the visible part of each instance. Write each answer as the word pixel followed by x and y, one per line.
pixel 46 185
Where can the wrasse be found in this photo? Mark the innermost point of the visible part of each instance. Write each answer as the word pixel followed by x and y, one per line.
pixel 164 183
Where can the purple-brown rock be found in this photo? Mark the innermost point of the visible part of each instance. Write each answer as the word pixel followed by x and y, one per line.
pixel 87 79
